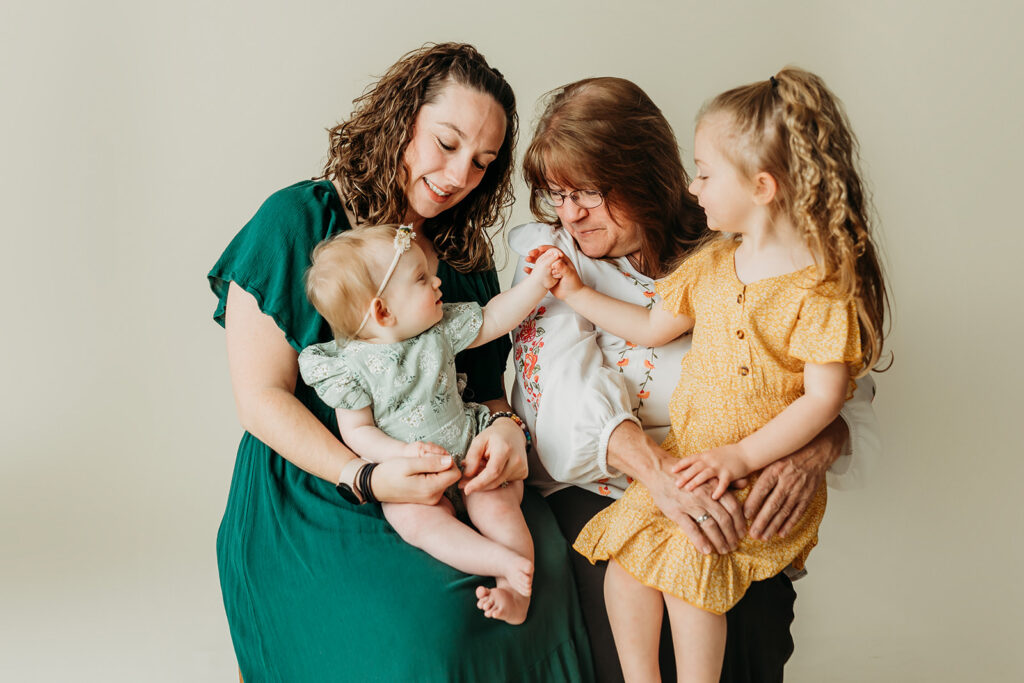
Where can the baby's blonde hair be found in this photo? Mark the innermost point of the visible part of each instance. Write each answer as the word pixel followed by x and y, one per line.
pixel 794 128
pixel 346 271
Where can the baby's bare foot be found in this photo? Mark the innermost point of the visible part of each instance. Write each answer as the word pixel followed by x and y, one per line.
pixel 520 576
pixel 503 603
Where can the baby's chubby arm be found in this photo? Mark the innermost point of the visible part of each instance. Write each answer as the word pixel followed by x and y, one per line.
pixel 361 434
pixel 649 327
pixel 505 311
pixel 824 393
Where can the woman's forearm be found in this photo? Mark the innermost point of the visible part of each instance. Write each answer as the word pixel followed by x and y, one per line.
pixel 278 419
pixel 633 453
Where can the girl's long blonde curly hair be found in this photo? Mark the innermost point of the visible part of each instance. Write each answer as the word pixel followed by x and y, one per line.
pixel 794 128
pixel 367 151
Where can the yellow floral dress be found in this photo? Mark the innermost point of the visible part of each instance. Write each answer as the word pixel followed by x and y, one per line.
pixel 750 343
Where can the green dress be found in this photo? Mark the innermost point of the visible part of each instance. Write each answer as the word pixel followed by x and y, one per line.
pixel 316 589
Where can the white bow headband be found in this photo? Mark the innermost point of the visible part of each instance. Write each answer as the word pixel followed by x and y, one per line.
pixel 403 242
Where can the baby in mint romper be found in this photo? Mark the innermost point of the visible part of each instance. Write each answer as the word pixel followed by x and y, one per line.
pixel 392 381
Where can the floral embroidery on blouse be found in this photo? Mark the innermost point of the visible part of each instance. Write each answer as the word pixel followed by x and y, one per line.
pixel 647 289
pixel 529 339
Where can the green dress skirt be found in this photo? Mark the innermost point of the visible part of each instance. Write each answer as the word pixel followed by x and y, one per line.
pixel 317 589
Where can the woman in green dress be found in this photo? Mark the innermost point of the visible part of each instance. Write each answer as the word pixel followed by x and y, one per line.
pixel 316 585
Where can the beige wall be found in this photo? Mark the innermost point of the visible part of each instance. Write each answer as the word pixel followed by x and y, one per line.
pixel 137 137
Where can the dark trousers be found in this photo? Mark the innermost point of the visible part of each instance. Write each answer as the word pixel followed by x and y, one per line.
pixel 758 641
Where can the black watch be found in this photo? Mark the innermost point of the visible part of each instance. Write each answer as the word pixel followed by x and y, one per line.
pixel 346 485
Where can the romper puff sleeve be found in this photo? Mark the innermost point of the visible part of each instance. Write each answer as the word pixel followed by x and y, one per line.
pixel 461 324
pixel 324 367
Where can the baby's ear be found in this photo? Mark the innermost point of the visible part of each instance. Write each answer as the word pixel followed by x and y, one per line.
pixel 381 314
pixel 765 188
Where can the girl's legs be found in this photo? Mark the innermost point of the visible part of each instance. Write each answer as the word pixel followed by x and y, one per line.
pixel 497 515
pixel 698 637
pixel 634 611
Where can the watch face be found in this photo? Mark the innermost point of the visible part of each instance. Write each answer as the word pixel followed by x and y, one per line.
pixel 347 493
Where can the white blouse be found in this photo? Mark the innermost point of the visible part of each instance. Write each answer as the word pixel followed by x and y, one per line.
pixel 576 383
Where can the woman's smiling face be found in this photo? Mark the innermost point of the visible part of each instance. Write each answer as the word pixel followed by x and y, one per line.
pixel 454 139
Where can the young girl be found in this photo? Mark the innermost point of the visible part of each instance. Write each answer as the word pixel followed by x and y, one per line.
pixel 390 373
pixel 786 306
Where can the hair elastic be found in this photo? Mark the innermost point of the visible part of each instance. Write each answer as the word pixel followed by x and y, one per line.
pixel 774 81
pixel 403 242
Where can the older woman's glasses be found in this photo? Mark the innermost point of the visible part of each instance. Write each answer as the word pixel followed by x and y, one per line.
pixel 585 199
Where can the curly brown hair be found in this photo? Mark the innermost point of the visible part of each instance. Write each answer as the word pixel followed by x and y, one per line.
pixel 606 134
pixel 367 151
pixel 794 128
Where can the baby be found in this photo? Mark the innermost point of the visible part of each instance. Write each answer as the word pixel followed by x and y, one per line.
pixel 390 374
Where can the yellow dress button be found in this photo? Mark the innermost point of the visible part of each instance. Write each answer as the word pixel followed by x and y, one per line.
pixel 739 334
pixel 744 371
pixel 739 298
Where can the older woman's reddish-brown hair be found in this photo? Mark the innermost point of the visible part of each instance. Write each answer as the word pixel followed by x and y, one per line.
pixel 606 134
pixel 367 151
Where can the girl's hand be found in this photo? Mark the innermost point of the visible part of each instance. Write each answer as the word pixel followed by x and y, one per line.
pixel 564 280
pixel 421 449
pixel 414 480
pixel 724 463
pixel 495 456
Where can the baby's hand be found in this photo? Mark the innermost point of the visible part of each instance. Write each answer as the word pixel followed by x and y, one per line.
pixel 421 449
pixel 542 261
pixel 564 279
pixel 724 463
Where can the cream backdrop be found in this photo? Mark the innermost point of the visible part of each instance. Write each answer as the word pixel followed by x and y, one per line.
pixel 139 136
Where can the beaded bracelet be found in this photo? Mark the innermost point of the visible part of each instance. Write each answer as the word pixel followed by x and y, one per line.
pixel 518 420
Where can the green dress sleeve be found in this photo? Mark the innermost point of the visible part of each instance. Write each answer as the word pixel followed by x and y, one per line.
pixel 268 258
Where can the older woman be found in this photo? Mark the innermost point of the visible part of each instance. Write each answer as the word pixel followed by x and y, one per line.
pixel 316 585
pixel 609 186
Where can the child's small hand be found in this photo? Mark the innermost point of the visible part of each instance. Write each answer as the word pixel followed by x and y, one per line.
pixel 541 263
pixel 724 463
pixel 422 449
pixel 564 279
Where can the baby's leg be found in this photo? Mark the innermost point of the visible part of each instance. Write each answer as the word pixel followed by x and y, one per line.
pixel 698 638
pixel 435 530
pixel 497 515
pixel 634 611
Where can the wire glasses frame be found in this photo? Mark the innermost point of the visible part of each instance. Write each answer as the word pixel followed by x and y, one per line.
pixel 585 199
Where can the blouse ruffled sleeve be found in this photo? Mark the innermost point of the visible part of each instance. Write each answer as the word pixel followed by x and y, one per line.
pixel 323 367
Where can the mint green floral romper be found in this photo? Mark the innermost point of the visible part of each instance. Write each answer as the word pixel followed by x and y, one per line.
pixel 411 384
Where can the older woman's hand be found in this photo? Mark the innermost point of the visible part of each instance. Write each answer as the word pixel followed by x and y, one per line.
pixel 711 525
pixel 495 456
pixel 721 524
pixel 785 488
